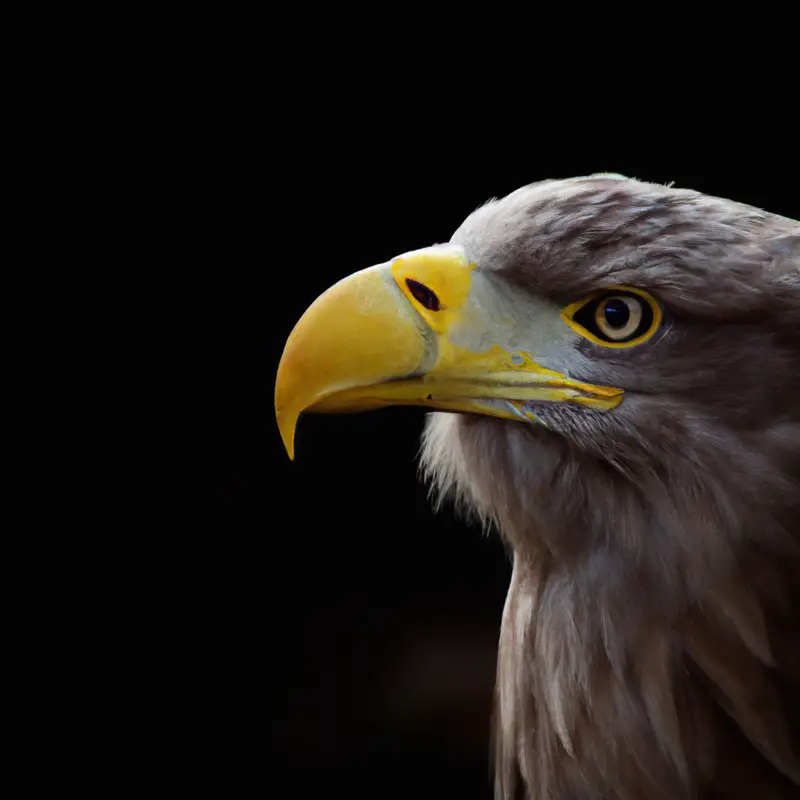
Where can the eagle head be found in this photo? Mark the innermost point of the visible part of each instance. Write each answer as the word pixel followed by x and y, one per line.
pixel 614 369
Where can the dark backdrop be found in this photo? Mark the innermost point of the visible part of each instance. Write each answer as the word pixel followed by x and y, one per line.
pixel 256 626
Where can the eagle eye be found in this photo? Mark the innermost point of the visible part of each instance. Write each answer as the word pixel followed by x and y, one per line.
pixel 620 317
pixel 423 295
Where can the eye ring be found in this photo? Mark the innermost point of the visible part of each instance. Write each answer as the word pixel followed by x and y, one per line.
pixel 618 317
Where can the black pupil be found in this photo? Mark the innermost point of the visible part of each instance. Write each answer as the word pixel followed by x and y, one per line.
pixel 617 313
pixel 423 295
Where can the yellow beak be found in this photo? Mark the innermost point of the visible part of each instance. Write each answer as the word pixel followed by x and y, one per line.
pixel 384 336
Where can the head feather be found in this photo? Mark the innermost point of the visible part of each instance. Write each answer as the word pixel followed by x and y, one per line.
pixel 647 635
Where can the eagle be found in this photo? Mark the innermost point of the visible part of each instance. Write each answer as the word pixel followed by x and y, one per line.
pixel 613 372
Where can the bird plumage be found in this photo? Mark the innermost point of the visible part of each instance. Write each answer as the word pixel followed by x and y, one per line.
pixel 650 643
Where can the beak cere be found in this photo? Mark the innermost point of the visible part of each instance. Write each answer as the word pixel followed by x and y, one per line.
pixel 369 341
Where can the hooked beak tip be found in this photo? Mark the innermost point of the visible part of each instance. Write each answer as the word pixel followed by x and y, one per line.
pixel 287 424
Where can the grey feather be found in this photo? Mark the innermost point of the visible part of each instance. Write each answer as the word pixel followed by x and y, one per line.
pixel 650 645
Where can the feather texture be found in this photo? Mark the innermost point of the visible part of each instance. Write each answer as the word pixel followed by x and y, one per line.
pixel 650 643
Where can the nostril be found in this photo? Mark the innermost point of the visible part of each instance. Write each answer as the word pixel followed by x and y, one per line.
pixel 423 295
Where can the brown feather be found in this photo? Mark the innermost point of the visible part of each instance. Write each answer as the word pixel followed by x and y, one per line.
pixel 650 644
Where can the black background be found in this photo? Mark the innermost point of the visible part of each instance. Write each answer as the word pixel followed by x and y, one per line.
pixel 236 621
